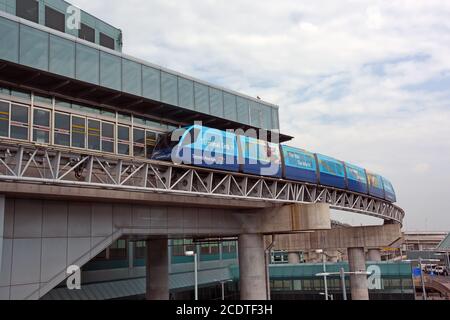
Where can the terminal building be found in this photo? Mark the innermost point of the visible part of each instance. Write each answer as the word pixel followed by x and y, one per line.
pixel 68 88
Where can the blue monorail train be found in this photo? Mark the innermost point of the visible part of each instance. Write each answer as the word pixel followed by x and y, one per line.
pixel 212 148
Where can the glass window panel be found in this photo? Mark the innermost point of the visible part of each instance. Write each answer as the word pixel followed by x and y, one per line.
pixel 242 110
pixel 78 132
pixel 110 70
pixel 62 129
pixel 139 120
pixel 106 41
pixel 41 126
pixel 86 33
pixel 93 134
pixel 125 117
pixel 139 142
pixel 123 140
pixel 33 47
pixel 9 33
pixel 275 121
pixel 107 137
pixel 28 9
pixel 108 113
pixel 55 19
pixel 201 98
pixel 266 116
pixel 4 119
pixel 131 77
pixel 186 93
pixel 62 56
pixel 255 114
pixel 216 102
pixel 297 285
pixel 63 104
pixel 87 64
pixel 42 100
pixel 229 106
pixel 169 88
pixel 21 94
pixel 150 141
pixel 19 122
pixel 151 79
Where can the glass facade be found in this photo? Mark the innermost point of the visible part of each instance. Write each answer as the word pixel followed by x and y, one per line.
pixel 67 124
pixel 53 14
pixel 48 51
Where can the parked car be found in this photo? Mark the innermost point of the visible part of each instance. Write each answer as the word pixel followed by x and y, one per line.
pixel 441 270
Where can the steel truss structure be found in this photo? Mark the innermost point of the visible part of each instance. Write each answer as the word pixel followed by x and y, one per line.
pixel 50 165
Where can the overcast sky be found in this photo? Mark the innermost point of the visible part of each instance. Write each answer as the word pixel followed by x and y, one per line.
pixel 364 81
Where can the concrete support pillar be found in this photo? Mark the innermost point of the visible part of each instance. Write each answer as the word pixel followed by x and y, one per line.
pixel 157 270
pixel 374 255
pixel 358 282
pixel 252 268
pixel 293 258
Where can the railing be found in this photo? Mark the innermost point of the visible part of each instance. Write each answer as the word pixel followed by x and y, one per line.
pixel 59 166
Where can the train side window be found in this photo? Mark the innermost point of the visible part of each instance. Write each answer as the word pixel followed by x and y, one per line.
pixel 107 137
pixel 62 129
pixel 123 140
pixel 4 119
pixel 94 134
pixel 138 142
pixel 41 126
pixel 78 132
pixel 19 122
pixel 150 142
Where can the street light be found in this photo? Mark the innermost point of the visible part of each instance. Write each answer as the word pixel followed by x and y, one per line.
pixel 342 274
pixel 194 254
pixel 222 284
pixel 324 257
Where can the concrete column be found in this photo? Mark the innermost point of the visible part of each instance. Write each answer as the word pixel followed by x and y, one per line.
pixel 358 283
pixel 374 255
pixel 252 267
pixel 157 270
pixel 293 258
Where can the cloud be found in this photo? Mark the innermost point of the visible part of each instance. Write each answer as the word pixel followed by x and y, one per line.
pixel 364 81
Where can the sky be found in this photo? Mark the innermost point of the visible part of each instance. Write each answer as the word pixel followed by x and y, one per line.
pixel 367 82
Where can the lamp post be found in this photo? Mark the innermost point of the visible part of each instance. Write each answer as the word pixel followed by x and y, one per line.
pixel 194 254
pixel 222 284
pixel 324 257
pixel 342 274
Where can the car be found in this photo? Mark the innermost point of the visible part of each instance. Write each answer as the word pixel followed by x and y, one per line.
pixel 441 270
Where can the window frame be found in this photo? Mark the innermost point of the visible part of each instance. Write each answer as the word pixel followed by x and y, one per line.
pixel 42 127
pixel 71 131
pixel 27 125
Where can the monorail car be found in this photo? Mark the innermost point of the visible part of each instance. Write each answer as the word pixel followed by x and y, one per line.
pixel 212 148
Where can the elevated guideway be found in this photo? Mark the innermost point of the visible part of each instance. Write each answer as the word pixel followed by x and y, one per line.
pixel 26 165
